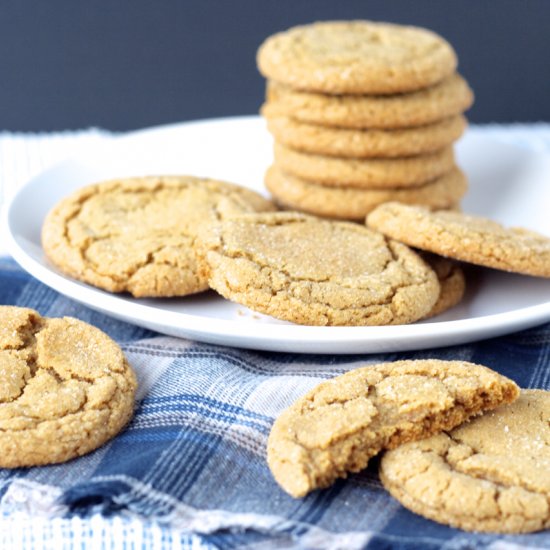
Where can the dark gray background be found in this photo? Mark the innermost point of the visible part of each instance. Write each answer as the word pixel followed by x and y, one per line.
pixel 126 64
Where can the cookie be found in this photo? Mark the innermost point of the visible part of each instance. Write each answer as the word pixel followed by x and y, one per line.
pixel 316 272
pixel 365 173
pixel 491 474
pixel 137 235
pixel 343 142
pixel 353 203
pixel 356 57
pixel 65 388
pixel 341 423
pixel 463 237
pixel 451 281
pixel 448 98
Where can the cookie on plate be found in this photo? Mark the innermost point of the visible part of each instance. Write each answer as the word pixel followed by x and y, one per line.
pixel 491 474
pixel 356 57
pixel 340 424
pixel 369 143
pixel 370 173
pixel 464 237
pixel 451 281
pixel 451 97
pixel 137 235
pixel 65 388
pixel 316 272
pixel 350 203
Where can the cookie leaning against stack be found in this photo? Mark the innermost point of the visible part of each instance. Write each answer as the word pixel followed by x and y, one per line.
pixel 359 106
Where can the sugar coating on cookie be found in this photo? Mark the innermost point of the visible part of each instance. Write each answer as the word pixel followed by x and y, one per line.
pixel 373 173
pixel 448 98
pixel 137 235
pixel 341 423
pixel 65 388
pixel 356 57
pixel 491 474
pixel 370 143
pixel 351 203
pixel 464 237
pixel 310 271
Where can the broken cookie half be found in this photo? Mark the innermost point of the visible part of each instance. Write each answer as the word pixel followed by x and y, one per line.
pixel 341 423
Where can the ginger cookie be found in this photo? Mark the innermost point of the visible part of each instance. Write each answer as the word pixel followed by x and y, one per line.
pixel 340 424
pixel 448 98
pixel 137 235
pixel 317 272
pixel 463 237
pixel 350 203
pixel 491 474
pixel 65 388
pixel 363 173
pixel 356 57
pixel 343 142
pixel 451 281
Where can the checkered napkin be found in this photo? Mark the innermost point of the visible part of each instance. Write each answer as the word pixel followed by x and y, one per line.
pixel 190 469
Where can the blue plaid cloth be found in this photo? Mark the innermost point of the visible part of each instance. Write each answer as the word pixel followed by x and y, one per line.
pixel 190 470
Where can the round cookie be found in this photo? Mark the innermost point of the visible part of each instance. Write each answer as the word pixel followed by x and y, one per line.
pixel 356 57
pixel 448 98
pixel 308 271
pixel 491 474
pixel 451 281
pixel 65 388
pixel 365 173
pixel 341 423
pixel 468 238
pixel 137 235
pixel 342 142
pixel 354 204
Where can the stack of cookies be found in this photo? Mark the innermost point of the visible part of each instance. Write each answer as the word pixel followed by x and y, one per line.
pixel 363 113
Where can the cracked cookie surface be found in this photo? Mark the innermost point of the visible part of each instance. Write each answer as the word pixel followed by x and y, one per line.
pixel 350 203
pixel 65 388
pixel 450 97
pixel 341 423
pixel 316 272
pixel 491 474
pixel 137 235
pixel 342 142
pixel 463 237
pixel 356 57
pixel 365 173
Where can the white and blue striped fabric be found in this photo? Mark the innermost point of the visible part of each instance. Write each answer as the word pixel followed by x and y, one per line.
pixel 190 471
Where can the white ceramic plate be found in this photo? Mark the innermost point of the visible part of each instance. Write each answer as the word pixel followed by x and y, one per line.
pixel 508 183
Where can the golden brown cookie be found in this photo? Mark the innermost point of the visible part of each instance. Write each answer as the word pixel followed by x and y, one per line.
pixel 137 235
pixel 316 272
pixel 343 142
pixel 65 388
pixel 448 98
pixel 353 204
pixel 491 474
pixel 451 281
pixel 356 57
pixel 340 424
pixel 468 238
pixel 371 173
